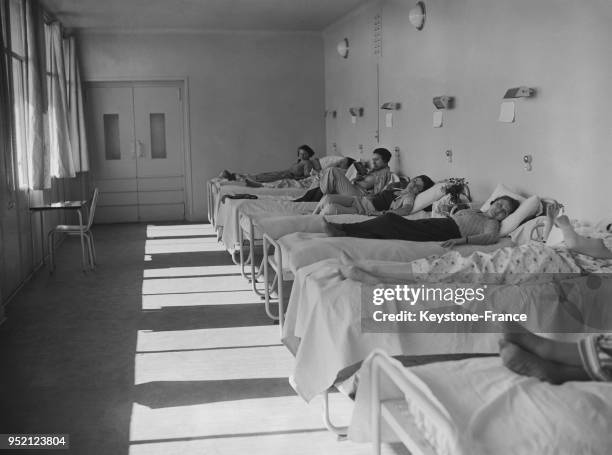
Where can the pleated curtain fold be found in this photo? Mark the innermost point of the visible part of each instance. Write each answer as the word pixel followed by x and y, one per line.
pixel 65 153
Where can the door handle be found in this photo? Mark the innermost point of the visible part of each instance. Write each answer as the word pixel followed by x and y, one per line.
pixel 141 152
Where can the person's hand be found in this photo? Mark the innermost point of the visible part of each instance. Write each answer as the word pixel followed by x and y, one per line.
pixel 451 243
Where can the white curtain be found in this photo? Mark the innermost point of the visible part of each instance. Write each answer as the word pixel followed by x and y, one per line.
pixel 67 139
pixel 37 152
pixel 78 139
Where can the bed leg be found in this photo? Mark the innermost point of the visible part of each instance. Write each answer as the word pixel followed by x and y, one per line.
pixel 342 432
pixel 257 275
pixel 241 249
pixel 375 408
pixel 267 285
pixel 235 260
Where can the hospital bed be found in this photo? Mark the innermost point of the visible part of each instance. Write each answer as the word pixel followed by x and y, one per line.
pixel 228 217
pixel 296 250
pixel 217 188
pixel 323 326
pixel 477 406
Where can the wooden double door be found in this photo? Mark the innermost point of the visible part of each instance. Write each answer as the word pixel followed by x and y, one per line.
pixel 137 151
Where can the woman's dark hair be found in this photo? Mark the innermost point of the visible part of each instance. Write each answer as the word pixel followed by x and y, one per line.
pixel 514 204
pixel 349 161
pixel 383 153
pixel 307 149
pixel 427 182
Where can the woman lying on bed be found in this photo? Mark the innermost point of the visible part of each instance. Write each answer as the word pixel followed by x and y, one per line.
pixel 510 265
pixel 301 169
pixel 466 226
pixel 391 200
pixel 307 182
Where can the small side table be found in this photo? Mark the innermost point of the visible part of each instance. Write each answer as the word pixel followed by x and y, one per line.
pixel 64 205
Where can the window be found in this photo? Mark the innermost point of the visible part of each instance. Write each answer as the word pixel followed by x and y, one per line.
pixel 13 32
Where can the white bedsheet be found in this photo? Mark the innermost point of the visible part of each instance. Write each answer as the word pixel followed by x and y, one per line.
pixel 301 249
pixel 271 206
pixel 323 323
pixel 279 193
pixel 323 329
pixel 496 411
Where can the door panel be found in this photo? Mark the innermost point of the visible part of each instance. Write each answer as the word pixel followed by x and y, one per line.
pixel 162 212
pixel 161 197
pixel 112 120
pixel 138 151
pixel 161 184
pixel 117 214
pixel 118 198
pixel 158 131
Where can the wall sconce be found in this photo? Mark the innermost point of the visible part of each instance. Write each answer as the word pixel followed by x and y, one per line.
pixel 391 106
pixel 356 111
pixel 343 48
pixel 519 92
pixel 444 102
pixel 527 160
pixel 416 16
pixel 449 155
pixel 330 113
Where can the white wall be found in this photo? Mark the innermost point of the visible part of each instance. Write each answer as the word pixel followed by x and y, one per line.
pixel 475 50
pixel 254 96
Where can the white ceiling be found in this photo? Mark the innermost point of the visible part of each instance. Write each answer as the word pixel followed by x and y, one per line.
pixel 289 15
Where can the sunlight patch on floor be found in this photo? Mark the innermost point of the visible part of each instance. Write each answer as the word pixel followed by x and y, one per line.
pixel 195 284
pixel 264 335
pixel 170 272
pixel 156 302
pixel 213 365
pixel 311 443
pixel 239 417
pixel 184 230
pixel 192 245
pixel 277 425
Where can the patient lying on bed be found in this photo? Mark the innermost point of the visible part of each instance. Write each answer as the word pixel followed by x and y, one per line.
pixel 299 170
pixel 509 265
pixel 396 198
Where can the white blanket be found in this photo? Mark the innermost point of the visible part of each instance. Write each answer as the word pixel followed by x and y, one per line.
pixel 302 249
pixel 278 193
pixel 496 411
pixel 228 214
pixel 323 329
pixel 323 323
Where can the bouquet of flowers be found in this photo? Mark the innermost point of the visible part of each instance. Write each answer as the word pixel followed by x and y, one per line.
pixel 457 186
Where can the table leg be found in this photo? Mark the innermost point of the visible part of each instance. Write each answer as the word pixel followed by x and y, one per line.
pixel 82 236
pixel 42 235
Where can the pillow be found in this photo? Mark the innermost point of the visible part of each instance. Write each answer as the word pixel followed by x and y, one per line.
pixel 428 197
pixel 528 208
pixel 331 161
pixel 500 190
pixel 522 234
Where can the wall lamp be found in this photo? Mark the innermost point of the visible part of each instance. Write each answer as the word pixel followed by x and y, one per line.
pixel 444 102
pixel 391 106
pixel 356 111
pixel 330 113
pixel 416 16
pixel 519 92
pixel 343 48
